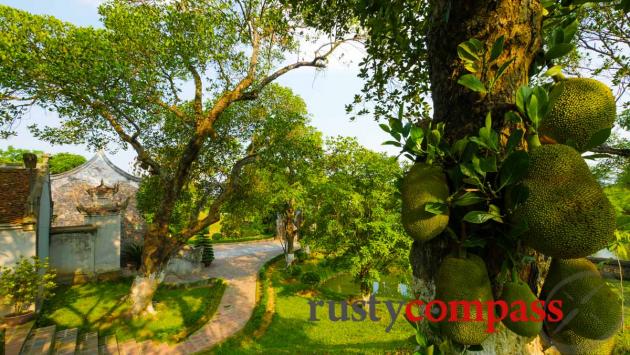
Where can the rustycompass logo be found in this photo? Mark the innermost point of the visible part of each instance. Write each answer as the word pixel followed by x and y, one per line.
pixel 490 312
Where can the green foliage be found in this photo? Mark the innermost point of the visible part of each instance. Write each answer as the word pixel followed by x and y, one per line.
pixel 583 292
pixel 310 278
pixel 480 62
pixel 14 155
pixel 355 214
pixel 62 162
pixel 23 283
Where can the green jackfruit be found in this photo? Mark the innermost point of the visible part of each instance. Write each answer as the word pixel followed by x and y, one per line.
pixel 423 183
pixel 569 343
pixel 567 212
pixel 464 279
pixel 579 108
pixel 520 291
pixel 590 308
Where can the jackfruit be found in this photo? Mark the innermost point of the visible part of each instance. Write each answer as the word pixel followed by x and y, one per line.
pixel 464 279
pixel 423 183
pixel 579 108
pixel 520 291
pixel 569 343
pixel 567 212
pixel 590 308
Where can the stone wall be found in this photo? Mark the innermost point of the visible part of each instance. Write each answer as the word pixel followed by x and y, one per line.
pixel 69 191
pixel 16 242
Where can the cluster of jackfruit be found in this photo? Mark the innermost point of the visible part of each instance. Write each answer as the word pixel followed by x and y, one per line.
pixel 464 279
pixel 567 212
pixel 592 311
pixel 423 184
pixel 580 108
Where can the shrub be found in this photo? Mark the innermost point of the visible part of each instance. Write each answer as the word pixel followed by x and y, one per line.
pixel 295 270
pixel 310 278
pixel 301 255
pixel 21 284
pixel 217 236
pixel 132 253
pixel 202 241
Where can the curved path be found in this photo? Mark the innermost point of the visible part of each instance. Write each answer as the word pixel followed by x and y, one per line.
pixel 238 265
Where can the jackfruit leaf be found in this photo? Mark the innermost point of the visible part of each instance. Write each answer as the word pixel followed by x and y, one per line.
pixel 501 70
pixel 467 52
pixel 420 339
pixel 384 127
pixel 518 195
pixel 474 243
pixel 396 125
pixel 476 44
pixel 553 71
pixel 472 67
pixel 558 36
pixel 514 140
pixel 410 157
pixel 570 30
pixel 558 50
pixel 598 138
pixel 514 168
pixel 512 117
pixel 478 217
pixel 416 133
pixel 497 48
pixel 543 101
pixel 469 198
pixel 471 82
pixel 522 97
pixel 532 111
pixel 405 130
pixel 394 134
pixel 519 229
pixel 476 163
pixel 394 143
pixel 467 170
pixel 436 208
pixel 488 164
pixel 459 146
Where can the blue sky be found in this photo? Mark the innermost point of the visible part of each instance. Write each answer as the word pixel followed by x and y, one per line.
pixel 326 92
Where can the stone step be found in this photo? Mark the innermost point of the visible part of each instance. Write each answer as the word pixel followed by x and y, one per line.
pixel 88 344
pixel 130 347
pixel 15 337
pixel 109 346
pixel 40 342
pixel 66 342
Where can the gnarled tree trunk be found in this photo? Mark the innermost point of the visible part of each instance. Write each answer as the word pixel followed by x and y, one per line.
pixel 463 111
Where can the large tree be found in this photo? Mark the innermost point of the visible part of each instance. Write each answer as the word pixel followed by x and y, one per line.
pixel 355 211
pixel 468 59
pixel 154 67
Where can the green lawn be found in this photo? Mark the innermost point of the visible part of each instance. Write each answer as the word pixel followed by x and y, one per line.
pixel 291 332
pixel 103 307
pixel 623 338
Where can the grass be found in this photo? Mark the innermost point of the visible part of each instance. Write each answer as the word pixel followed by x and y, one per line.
pixel 623 337
pixel 291 331
pixel 103 307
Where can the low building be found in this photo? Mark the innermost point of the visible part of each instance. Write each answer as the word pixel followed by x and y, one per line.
pixel 25 210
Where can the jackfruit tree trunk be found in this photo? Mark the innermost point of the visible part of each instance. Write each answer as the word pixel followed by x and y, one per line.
pixel 463 111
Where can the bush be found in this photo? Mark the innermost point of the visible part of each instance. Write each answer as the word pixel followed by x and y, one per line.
pixel 132 253
pixel 217 236
pixel 301 255
pixel 310 278
pixel 21 284
pixel 202 241
pixel 295 270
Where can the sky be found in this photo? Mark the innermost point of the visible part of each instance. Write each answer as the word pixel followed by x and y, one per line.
pixel 325 92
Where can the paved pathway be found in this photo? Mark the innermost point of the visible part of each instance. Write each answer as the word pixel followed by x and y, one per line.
pixel 238 265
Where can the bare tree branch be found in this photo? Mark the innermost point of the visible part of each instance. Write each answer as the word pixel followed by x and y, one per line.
pixel 622 152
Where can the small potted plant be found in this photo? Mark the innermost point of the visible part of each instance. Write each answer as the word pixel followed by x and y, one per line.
pixel 22 284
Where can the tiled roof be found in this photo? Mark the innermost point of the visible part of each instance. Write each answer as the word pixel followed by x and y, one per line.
pixel 14 194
